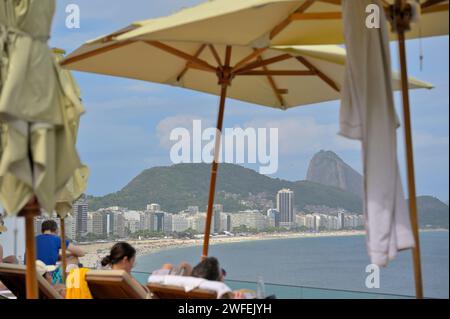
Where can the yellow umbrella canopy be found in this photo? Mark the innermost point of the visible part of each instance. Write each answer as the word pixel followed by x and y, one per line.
pixel 38 155
pixel 261 23
pixel 284 78
pixel 37 149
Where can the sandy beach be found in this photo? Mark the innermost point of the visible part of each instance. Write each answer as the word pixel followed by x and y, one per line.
pixel 96 251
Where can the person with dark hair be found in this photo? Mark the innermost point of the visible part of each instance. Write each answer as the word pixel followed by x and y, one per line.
pixel 209 269
pixel 122 257
pixel 48 244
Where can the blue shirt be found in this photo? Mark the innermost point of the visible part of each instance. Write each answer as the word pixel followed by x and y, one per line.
pixel 48 247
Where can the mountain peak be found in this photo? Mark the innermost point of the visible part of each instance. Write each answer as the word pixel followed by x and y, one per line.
pixel 327 168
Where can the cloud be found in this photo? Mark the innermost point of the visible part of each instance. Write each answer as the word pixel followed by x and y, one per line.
pixel 165 127
pixel 423 139
pixel 304 135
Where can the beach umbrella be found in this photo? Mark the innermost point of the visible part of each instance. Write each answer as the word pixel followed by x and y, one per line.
pixel 275 78
pixel 77 183
pixel 262 23
pixel 309 22
pixel 37 155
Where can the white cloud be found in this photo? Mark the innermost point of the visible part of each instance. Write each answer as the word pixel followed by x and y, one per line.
pixel 128 103
pixel 304 135
pixel 165 127
pixel 425 139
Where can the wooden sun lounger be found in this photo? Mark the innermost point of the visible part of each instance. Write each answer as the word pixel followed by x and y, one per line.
pixel 14 278
pixel 161 291
pixel 113 284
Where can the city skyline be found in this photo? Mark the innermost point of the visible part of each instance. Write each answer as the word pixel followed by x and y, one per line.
pixel 120 222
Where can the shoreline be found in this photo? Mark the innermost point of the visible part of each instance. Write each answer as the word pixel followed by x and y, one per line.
pixel 96 251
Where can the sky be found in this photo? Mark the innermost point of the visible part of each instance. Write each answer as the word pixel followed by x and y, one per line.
pixel 127 124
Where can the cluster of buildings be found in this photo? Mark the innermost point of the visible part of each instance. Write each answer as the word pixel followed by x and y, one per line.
pixel 317 222
pixel 120 222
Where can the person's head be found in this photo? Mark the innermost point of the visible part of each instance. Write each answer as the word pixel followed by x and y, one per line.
pixel 49 227
pixel 122 256
pixel 2 225
pixel 209 269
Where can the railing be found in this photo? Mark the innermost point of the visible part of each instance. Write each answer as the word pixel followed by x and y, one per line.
pixel 297 292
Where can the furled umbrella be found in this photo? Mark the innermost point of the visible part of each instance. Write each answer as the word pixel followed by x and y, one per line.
pixel 38 155
pixel 268 77
pixel 77 183
pixel 309 22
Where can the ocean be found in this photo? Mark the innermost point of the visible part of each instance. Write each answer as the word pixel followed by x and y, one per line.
pixel 322 262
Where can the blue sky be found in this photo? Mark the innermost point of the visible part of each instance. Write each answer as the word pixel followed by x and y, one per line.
pixel 125 129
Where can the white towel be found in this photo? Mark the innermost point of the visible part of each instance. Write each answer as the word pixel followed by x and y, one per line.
pixel 190 283
pixel 368 115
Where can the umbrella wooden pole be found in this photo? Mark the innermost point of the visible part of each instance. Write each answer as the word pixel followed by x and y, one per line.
pixel 214 167
pixel 410 167
pixel 402 20
pixel 224 75
pixel 28 212
pixel 63 249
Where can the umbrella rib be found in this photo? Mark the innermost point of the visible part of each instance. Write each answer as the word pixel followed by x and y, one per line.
pixel 274 86
pixel 227 56
pixel 188 57
pixel 95 52
pixel 215 54
pixel 435 8
pixel 248 58
pixel 261 63
pixel 319 73
pixel 187 66
pixel 285 23
pixel 280 73
pixel 335 2
pixel 431 3
pixel 317 16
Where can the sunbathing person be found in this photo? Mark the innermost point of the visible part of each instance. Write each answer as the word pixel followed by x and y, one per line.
pixel 122 257
pixel 209 268
pixel 46 271
pixel 9 259
pixel 183 269
pixel 72 262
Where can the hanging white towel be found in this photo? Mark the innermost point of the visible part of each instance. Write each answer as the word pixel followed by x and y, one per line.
pixel 368 115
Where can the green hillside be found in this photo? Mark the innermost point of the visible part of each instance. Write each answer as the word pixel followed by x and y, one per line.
pixel 432 212
pixel 182 185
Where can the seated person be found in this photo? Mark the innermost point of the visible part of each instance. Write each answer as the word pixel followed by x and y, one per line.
pixel 48 244
pixel 9 259
pixel 72 262
pixel 209 268
pixel 46 271
pixel 183 269
pixel 122 257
